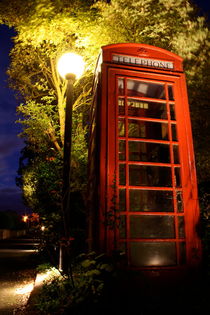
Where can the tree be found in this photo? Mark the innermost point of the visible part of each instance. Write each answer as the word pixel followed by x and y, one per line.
pixel 44 29
pixel 175 26
pixel 41 92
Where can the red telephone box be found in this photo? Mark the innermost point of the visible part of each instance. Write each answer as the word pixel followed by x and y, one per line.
pixel 142 177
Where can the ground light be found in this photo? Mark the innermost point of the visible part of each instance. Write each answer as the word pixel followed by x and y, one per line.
pixel 70 67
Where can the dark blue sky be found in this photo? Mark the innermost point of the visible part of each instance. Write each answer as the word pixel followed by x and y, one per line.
pixel 10 144
pixel 204 5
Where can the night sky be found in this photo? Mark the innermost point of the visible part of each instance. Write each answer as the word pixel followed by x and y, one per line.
pixel 10 144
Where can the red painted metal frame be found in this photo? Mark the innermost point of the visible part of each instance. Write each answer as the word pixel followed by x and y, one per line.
pixel 108 155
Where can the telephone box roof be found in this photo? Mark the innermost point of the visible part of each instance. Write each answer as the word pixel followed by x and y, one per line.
pixel 142 55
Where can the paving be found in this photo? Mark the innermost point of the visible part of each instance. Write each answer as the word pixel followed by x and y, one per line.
pixel 18 260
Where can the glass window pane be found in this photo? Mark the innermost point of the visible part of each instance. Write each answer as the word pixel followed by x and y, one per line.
pixel 152 226
pixel 149 152
pixel 151 200
pixel 121 127
pixel 121 106
pixel 181 227
pixel 122 226
pixel 147 129
pixel 145 89
pixel 146 109
pixel 122 174
pixel 141 175
pixel 176 153
pixel 172 112
pixel 121 150
pixel 170 93
pixel 153 254
pixel 174 133
pixel 122 200
pixel 177 177
pixel 179 201
pixel 136 129
pixel 121 86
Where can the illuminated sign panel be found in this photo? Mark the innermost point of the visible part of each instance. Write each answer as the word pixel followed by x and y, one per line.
pixel 154 63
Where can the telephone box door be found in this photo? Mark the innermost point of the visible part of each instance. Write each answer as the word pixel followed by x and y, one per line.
pixel 150 175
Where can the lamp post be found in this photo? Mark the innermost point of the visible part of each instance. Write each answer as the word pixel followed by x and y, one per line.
pixel 70 67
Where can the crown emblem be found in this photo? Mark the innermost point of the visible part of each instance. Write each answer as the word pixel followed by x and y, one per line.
pixel 142 51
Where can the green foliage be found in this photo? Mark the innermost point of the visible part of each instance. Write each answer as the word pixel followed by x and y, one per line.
pixel 39 123
pixel 91 274
pixel 40 179
pixel 43 267
pixel 79 154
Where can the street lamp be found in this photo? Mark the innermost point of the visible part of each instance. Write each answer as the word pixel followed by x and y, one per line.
pixel 70 67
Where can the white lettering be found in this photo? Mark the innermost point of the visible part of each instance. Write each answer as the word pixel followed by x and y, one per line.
pixel 115 58
pixel 126 60
pixel 156 64
pixel 143 61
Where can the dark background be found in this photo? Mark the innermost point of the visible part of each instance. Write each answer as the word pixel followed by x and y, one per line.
pixel 10 143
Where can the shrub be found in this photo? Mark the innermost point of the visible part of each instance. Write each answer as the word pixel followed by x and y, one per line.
pixel 92 275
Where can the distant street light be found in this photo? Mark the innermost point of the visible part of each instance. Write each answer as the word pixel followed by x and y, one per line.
pixel 25 218
pixel 70 67
pixel 42 228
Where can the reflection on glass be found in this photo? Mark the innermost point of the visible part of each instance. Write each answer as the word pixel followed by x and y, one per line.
pixel 176 153
pixel 149 152
pixel 121 127
pixel 151 200
pixel 181 227
pixel 153 254
pixel 141 175
pixel 170 93
pixel 177 177
pixel 122 174
pixel 147 129
pixel 121 106
pixel 152 226
pixel 179 201
pixel 174 134
pixel 122 200
pixel 121 86
pixel 122 226
pixel 172 112
pixel 182 249
pixel 145 89
pixel 121 150
pixel 146 109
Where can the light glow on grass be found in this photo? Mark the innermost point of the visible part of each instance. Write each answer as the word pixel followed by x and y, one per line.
pixel 48 275
pixel 25 289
